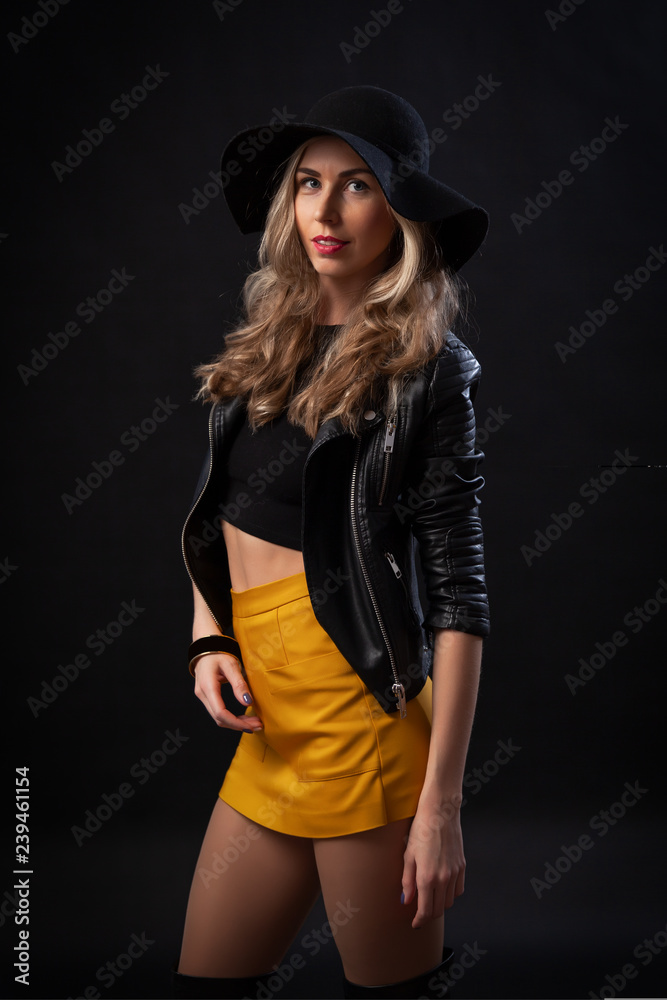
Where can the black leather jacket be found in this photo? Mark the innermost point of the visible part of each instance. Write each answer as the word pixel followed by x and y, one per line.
pixel 408 480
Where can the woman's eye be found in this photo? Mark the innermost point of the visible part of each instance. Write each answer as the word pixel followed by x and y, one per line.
pixel 313 184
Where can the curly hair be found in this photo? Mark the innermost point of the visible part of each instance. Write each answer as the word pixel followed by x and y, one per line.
pixel 274 358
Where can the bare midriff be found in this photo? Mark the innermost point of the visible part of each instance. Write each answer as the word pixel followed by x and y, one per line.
pixel 254 561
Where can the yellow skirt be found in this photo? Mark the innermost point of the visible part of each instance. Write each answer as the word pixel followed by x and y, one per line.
pixel 329 760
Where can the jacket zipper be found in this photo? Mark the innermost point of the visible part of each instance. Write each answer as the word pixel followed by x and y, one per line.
pixel 394 565
pixel 389 436
pixel 398 573
pixel 397 688
pixel 185 558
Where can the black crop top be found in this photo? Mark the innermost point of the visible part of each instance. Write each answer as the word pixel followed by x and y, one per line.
pixel 265 469
pixel 264 487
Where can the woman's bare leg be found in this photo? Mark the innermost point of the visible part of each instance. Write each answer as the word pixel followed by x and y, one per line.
pixel 251 891
pixel 360 875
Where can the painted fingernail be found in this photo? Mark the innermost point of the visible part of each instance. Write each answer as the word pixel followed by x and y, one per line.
pixel 247 699
pixel 251 731
pixel 402 897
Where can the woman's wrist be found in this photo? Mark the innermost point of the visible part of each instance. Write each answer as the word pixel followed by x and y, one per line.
pixel 215 643
pixel 443 801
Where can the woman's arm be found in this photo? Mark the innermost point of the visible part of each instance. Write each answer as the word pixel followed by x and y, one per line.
pixel 203 622
pixel 444 479
pixel 434 863
pixel 212 670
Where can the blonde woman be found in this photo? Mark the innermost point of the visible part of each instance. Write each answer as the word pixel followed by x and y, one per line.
pixel 342 439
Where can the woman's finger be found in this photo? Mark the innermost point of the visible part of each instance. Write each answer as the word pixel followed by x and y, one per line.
pixel 238 684
pixel 209 676
pixel 408 881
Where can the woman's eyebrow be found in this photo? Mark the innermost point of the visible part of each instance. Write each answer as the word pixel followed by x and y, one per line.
pixel 343 173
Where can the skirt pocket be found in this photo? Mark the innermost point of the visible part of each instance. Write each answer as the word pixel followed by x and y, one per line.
pixel 318 718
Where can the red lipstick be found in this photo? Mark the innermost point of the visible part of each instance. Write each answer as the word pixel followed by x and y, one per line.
pixel 328 244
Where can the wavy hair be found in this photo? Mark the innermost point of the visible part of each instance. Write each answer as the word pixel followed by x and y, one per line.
pixel 274 358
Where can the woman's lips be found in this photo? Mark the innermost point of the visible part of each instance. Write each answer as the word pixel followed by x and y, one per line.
pixel 328 244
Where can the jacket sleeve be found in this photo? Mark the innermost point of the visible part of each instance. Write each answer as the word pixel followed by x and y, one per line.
pixel 442 485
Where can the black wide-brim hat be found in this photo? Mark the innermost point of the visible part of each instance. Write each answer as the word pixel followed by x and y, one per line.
pixel 388 135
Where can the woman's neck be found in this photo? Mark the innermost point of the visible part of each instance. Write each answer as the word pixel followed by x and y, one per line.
pixel 337 303
pixel 329 314
pixel 340 295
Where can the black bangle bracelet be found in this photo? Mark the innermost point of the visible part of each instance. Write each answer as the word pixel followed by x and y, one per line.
pixel 212 644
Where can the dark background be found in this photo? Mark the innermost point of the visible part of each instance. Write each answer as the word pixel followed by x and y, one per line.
pixel 67 572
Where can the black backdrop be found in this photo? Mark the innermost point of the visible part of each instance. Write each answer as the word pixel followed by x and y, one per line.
pixel 563 144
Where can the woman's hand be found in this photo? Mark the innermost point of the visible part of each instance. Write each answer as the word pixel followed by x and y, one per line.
pixel 211 671
pixel 433 862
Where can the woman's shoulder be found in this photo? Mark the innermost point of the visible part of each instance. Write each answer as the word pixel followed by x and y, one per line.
pixel 454 368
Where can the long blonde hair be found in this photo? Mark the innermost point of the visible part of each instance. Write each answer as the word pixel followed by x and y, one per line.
pixel 273 358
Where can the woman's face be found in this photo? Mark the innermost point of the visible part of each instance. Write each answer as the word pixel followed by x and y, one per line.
pixel 342 215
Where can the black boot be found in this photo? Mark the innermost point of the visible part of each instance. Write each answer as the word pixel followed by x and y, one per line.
pixel 205 988
pixel 434 983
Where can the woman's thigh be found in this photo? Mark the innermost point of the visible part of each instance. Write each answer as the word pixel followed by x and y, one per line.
pixel 360 875
pixel 251 891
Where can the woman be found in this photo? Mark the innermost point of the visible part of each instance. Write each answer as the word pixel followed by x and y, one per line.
pixel 342 434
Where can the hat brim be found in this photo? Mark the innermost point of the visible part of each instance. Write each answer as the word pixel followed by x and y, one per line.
pixel 251 170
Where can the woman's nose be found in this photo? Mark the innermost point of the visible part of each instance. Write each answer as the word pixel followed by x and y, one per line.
pixel 326 209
